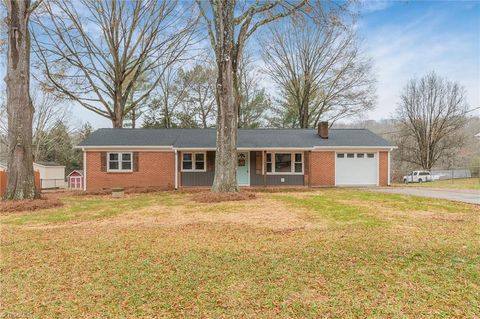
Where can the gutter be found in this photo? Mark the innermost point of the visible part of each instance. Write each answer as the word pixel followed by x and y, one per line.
pixel 128 147
pixel 84 170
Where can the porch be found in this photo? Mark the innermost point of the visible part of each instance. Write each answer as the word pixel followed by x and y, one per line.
pixel 255 168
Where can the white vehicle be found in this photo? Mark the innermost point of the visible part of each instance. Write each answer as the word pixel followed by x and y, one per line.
pixel 418 177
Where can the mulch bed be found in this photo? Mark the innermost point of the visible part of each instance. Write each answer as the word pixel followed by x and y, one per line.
pixel 210 197
pixel 30 205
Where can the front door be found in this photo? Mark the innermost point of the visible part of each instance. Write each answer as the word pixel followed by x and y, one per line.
pixel 243 165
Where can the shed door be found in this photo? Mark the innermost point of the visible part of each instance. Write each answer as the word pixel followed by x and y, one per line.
pixel 356 169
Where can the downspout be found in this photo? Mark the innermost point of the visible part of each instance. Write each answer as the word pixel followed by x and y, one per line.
pixel 378 168
pixel 309 168
pixel 388 180
pixel 84 170
pixel 176 169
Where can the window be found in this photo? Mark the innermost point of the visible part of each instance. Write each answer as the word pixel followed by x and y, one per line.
pixel 284 163
pixel 424 173
pixel 118 162
pixel 298 163
pixel 370 155
pixel 360 155
pixel 193 162
pixel 340 155
pixel 200 161
pixel 187 162
pixel 269 162
pixel 350 155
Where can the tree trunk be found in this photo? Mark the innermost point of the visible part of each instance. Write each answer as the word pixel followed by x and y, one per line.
pixel 118 107
pixel 21 184
pixel 134 118
pixel 226 155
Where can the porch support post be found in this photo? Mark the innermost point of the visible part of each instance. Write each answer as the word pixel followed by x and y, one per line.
pixel 264 159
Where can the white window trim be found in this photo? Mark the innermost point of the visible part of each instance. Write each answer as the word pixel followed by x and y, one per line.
pixel 355 155
pixel 120 162
pixel 194 157
pixel 292 166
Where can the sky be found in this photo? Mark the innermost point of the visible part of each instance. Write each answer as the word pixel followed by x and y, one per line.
pixel 408 39
pixel 405 39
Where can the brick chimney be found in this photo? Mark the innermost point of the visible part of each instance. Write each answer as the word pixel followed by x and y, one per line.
pixel 323 130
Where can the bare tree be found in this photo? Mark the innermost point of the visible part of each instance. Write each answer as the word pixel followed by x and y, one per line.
pixel 19 105
pixel 184 98
pixel 94 52
pixel 255 101
pixel 319 70
pixel 431 112
pixel 229 25
pixel 48 111
pixel 170 96
pixel 198 96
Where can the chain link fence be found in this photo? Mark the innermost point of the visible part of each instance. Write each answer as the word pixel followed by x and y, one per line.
pixel 450 174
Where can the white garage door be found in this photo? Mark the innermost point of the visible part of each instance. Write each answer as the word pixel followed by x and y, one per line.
pixel 356 169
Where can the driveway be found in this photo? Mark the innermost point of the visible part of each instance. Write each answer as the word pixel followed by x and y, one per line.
pixel 459 195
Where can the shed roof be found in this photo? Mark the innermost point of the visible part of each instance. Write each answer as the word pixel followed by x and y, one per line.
pixel 79 171
pixel 247 138
pixel 47 163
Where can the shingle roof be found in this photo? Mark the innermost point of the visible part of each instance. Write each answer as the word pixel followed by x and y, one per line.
pixel 47 163
pixel 247 138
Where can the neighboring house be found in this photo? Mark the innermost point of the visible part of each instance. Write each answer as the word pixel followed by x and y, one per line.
pixel 52 175
pixel 75 179
pixel 175 158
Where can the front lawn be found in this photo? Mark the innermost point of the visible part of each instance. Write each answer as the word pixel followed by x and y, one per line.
pixel 460 183
pixel 324 253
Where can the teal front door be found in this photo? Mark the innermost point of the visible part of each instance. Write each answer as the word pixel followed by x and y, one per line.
pixel 243 165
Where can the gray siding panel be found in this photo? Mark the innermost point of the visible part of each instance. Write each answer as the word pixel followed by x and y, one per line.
pixel 206 178
pixel 197 178
pixel 257 180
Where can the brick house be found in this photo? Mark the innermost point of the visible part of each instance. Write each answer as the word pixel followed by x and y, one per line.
pixel 175 158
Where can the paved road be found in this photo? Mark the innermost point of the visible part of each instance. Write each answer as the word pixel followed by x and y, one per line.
pixel 459 195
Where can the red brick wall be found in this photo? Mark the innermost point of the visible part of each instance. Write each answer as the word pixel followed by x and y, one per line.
pixel 155 169
pixel 322 168
pixel 383 168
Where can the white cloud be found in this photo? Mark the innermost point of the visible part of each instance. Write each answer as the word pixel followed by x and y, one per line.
pixel 366 6
pixel 401 52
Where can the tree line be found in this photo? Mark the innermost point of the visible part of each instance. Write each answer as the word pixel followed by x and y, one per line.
pixel 168 64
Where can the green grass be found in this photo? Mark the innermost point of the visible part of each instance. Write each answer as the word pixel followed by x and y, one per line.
pixel 326 206
pixel 90 208
pixel 346 254
pixel 461 183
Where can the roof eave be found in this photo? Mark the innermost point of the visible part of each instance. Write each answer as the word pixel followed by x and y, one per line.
pixel 115 147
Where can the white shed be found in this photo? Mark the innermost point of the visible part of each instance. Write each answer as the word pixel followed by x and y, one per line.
pixel 52 175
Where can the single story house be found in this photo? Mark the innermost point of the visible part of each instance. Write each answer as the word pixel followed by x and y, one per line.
pixel 175 158
pixel 52 175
